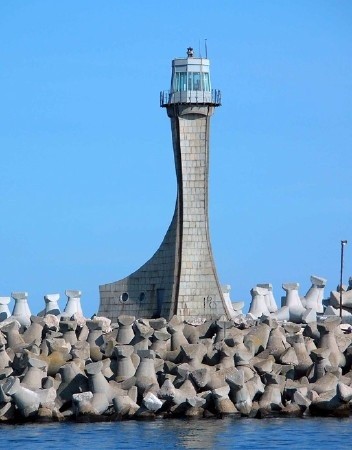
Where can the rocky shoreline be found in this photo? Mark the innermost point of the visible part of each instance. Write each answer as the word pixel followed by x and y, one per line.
pixel 59 368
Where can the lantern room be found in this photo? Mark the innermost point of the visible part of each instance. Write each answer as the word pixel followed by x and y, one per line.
pixel 190 82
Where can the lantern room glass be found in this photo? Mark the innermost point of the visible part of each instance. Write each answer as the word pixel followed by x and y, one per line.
pixel 191 81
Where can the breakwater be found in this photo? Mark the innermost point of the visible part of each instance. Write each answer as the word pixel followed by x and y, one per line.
pixel 72 368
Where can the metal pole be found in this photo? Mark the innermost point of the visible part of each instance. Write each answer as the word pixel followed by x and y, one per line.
pixel 343 243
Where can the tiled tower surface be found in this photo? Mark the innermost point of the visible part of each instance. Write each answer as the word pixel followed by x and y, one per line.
pixel 181 277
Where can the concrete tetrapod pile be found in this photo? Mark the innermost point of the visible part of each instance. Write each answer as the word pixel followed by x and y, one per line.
pixel 293 307
pixel 71 368
pixel 343 293
pixel 306 309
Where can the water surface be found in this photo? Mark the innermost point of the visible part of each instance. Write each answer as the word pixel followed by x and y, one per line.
pixel 228 433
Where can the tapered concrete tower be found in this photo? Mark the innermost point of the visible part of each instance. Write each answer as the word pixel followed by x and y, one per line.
pixel 181 277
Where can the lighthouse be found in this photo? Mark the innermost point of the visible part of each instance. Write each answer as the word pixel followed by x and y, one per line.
pixel 180 278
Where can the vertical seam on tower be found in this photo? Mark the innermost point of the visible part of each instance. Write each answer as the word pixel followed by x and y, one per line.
pixel 207 213
pixel 180 210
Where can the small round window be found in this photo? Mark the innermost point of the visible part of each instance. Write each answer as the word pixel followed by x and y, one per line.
pixel 124 297
pixel 142 296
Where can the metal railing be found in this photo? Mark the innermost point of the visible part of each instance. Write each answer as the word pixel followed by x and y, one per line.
pixel 212 97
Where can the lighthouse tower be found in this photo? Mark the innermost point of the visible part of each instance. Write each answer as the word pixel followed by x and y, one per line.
pixel 181 277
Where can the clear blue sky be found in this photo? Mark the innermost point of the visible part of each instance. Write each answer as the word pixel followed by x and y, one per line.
pixel 87 175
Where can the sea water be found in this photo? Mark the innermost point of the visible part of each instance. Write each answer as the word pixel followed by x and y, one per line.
pixel 228 433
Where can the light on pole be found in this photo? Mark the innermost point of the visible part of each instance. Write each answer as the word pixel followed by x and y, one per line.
pixel 343 243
